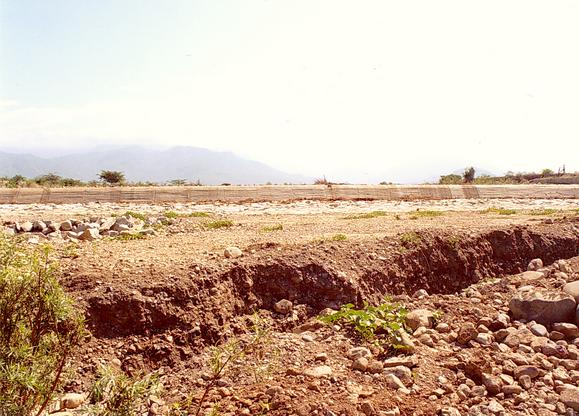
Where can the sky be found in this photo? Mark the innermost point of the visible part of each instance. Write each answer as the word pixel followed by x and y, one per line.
pixel 360 91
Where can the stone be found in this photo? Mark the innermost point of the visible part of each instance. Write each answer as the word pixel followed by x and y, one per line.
pixel 360 364
pixel 418 318
pixel 528 370
pixel 420 293
pixel 393 382
pixel 572 289
pixel 284 307
pixel 500 322
pixel 449 411
pixel 495 407
pixel 66 225
pixel 466 333
pixel 539 330
pixel 484 339
pixel 72 400
pixel 319 371
pixel 357 352
pixel 567 329
pixel 406 361
pixel 542 306
pixel 90 234
pixel 443 328
pixel 525 381
pixel 406 342
pixel 535 265
pixel 402 372
pixel 493 384
pixel 232 252
pixel 107 224
pixel 570 397
pixel 26 227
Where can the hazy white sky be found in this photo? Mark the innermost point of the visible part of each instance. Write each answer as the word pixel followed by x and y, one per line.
pixel 356 90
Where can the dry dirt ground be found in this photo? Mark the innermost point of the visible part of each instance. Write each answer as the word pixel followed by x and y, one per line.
pixel 167 303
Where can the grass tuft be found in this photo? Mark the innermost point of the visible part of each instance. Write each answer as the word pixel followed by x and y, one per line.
pixel 544 211
pixel 277 227
pixel 214 225
pixel 499 211
pixel 365 215
pixel 428 213
pixel 137 215
pixel 175 215
pixel 410 239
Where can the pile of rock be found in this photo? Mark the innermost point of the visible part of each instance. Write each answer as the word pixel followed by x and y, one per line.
pixel 83 230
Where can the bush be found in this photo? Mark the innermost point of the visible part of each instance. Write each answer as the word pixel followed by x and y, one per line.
pixel 381 323
pixel 468 175
pixel 39 329
pixel 116 394
pixel 112 177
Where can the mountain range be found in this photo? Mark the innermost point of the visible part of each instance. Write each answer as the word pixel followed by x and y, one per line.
pixel 140 164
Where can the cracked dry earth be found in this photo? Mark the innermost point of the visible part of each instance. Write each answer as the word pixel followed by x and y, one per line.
pixel 167 302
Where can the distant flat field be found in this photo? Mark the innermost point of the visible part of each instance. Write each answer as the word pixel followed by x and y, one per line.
pixel 199 194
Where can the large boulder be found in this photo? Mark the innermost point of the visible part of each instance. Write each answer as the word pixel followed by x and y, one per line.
pixel 572 289
pixel 543 306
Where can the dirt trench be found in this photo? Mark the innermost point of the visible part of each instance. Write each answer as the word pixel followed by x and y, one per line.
pixel 209 303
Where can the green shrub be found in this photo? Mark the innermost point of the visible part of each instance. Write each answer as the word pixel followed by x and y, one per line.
pixel 365 215
pixel 428 213
pixel 339 237
pixel 381 323
pixel 410 239
pixel 499 211
pixel 174 215
pixel 130 237
pixel 137 215
pixel 277 227
pixel 39 329
pixel 116 394
pixel 214 225
pixel 544 211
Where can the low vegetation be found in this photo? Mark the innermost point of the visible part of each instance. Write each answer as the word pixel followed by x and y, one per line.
pixel 380 324
pixel 175 215
pixel 138 215
pixel 510 178
pixel 116 394
pixel 214 225
pixel 428 213
pixel 410 239
pixel 544 211
pixel 39 330
pixel 366 215
pixel 271 228
pixel 499 211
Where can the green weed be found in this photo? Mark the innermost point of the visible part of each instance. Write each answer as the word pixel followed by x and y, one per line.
pixel 499 211
pixel 137 215
pixel 428 213
pixel 544 211
pixel 339 237
pixel 410 239
pixel 214 225
pixel 366 215
pixel 175 215
pixel 277 227
pixel 381 324
pixel 116 394
pixel 130 237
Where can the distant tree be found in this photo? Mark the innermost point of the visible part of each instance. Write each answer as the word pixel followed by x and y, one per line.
pixel 451 179
pixel 178 182
pixel 112 177
pixel 547 172
pixel 16 181
pixel 71 182
pixel 468 175
pixel 50 179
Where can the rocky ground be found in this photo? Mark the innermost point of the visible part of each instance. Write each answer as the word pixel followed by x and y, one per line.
pixel 492 301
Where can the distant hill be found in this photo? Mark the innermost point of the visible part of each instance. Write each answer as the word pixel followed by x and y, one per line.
pixel 140 164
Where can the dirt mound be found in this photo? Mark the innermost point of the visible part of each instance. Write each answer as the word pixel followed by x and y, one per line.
pixel 205 298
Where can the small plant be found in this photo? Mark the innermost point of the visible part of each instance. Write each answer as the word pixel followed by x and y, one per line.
pixel 366 215
pixel 381 323
pixel 544 211
pixel 112 177
pixel 339 237
pixel 277 227
pixel 397 217
pixel 39 329
pixel 175 215
pixel 214 225
pixel 410 239
pixel 428 213
pixel 116 394
pixel 137 215
pixel 130 237
pixel 453 241
pixel 499 211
